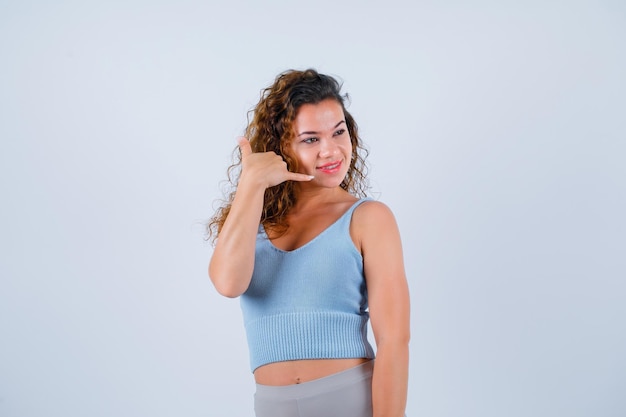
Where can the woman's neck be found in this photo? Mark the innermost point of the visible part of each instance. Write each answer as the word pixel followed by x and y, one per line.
pixel 312 199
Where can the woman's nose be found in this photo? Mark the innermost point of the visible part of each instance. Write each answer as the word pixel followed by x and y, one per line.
pixel 327 147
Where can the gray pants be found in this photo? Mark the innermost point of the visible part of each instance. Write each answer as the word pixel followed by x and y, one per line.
pixel 344 394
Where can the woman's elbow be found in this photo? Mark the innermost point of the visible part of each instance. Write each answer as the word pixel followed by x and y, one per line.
pixel 225 285
pixel 227 289
pixel 228 292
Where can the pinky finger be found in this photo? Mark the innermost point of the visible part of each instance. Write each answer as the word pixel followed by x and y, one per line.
pixel 294 176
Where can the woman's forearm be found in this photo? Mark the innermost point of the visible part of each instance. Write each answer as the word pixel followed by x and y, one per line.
pixel 390 380
pixel 232 262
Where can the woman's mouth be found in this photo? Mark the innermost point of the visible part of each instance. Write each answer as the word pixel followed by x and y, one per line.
pixel 330 168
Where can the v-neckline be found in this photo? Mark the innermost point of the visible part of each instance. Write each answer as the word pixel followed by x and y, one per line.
pixel 316 237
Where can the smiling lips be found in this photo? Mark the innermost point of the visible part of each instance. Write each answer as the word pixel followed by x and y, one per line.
pixel 330 168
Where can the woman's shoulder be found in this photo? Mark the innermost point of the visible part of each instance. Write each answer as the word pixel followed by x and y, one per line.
pixel 372 209
pixel 371 217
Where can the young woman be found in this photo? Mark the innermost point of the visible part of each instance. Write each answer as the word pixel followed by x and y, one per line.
pixel 312 260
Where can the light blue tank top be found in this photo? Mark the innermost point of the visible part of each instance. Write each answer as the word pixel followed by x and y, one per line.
pixel 309 303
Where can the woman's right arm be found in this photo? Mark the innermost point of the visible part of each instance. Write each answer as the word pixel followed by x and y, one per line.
pixel 232 263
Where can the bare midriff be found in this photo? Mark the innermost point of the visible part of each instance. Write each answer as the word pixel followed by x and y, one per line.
pixel 297 372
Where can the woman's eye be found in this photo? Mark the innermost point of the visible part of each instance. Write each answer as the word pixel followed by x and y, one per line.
pixel 310 140
pixel 340 132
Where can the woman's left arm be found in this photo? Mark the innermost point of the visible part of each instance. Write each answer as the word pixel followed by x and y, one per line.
pixel 377 233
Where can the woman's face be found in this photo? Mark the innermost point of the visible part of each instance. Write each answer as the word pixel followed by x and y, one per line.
pixel 322 144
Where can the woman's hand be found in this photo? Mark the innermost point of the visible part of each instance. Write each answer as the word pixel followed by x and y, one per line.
pixel 266 169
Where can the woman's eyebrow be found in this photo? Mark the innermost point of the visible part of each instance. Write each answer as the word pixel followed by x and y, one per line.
pixel 314 133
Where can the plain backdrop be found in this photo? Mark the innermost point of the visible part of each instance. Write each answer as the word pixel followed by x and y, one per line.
pixel 497 137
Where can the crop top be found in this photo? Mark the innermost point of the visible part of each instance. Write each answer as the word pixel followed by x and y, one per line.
pixel 308 303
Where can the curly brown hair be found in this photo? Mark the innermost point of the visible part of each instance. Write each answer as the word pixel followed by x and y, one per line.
pixel 271 129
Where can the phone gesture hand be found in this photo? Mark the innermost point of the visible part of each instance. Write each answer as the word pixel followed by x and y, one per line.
pixel 266 168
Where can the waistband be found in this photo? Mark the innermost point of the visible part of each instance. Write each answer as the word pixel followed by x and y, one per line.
pixel 318 386
pixel 307 335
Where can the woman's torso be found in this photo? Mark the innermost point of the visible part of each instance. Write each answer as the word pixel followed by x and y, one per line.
pixel 304 226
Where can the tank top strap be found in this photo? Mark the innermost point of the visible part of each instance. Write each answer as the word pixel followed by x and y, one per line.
pixel 346 218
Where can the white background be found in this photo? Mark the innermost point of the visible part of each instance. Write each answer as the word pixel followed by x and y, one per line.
pixel 496 132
